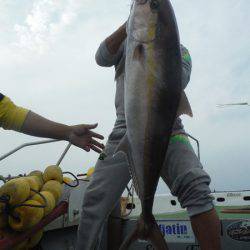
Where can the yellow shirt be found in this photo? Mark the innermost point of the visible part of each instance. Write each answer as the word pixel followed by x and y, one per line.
pixel 11 116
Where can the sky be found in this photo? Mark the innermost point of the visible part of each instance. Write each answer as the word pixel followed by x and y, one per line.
pixel 47 64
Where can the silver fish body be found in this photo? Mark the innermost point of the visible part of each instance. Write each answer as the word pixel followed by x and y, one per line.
pixel 153 91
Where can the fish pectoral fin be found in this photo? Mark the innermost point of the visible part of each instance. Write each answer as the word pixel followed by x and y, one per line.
pixel 184 106
pixel 139 53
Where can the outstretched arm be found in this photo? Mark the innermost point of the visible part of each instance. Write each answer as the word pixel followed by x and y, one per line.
pixel 80 135
pixel 22 120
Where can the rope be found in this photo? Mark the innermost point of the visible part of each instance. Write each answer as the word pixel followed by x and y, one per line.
pixel 77 180
pixel 4 199
pixel 30 205
pixel 9 209
pixel 132 200
pixel 130 194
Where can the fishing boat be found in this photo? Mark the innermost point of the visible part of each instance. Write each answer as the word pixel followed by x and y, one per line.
pixel 60 226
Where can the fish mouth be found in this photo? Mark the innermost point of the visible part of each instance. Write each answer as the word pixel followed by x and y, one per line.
pixel 144 33
pixel 143 22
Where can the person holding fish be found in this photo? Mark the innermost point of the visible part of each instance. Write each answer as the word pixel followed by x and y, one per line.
pixel 148 140
pixel 13 117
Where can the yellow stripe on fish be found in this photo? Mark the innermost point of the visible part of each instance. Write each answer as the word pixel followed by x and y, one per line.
pixel 151 63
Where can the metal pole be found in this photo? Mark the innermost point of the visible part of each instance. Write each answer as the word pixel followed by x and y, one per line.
pixel 26 145
pixel 63 154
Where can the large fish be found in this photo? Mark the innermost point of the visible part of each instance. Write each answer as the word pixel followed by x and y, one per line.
pixel 153 90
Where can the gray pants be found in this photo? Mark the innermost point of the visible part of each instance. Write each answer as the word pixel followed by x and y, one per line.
pixel 182 172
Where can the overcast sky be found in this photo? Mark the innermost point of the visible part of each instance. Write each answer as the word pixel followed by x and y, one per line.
pixel 47 64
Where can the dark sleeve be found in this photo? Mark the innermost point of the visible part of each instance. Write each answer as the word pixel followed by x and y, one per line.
pixel 1 97
pixel 186 66
pixel 104 58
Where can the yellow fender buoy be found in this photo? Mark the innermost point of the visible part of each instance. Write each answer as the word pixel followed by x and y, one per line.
pixel 55 188
pixel 3 220
pixel 50 201
pixel 17 189
pixel 67 180
pixel 2 207
pixel 53 173
pixel 90 171
pixel 38 174
pixel 34 184
pixel 25 217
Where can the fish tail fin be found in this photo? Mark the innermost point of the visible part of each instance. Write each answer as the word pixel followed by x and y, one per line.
pixel 157 239
pixel 130 239
pixel 146 230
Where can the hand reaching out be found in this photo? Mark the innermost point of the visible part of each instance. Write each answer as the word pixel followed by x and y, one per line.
pixel 82 136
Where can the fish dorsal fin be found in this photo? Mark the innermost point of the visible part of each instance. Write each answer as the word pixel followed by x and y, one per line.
pixel 184 106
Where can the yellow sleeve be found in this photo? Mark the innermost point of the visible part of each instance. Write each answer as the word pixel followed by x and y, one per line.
pixel 11 116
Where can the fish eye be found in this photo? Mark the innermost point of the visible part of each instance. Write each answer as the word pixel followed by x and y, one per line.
pixel 154 4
